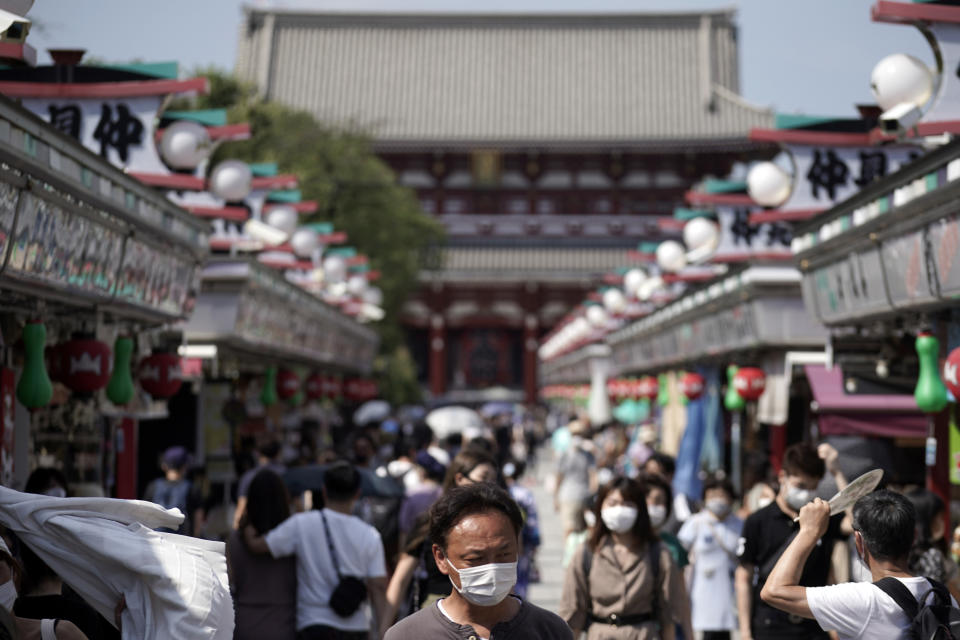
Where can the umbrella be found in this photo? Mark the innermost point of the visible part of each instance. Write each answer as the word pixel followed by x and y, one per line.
pixel 448 420
pixel 494 409
pixel 372 411
pixel 310 477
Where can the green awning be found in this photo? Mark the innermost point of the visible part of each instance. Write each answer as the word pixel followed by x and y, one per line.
pixel 285 195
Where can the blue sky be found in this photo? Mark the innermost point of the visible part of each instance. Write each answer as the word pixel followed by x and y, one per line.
pixel 809 56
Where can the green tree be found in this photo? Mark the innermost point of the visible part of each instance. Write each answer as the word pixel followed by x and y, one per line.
pixel 356 191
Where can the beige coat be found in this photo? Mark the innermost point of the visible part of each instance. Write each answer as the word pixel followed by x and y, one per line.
pixel 623 591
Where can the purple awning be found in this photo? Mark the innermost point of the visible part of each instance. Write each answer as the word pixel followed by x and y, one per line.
pixel 839 413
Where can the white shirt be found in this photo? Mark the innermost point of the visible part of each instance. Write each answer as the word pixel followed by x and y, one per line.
pixel 862 610
pixel 359 553
pixel 713 544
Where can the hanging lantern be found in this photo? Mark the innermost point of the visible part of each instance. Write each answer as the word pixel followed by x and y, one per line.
pixel 648 387
pixel 950 369
pixel 34 389
pixel 632 281
pixel 120 388
pixel 231 180
pixel 702 237
pixel 160 375
pixel 930 394
pixel 597 317
pixel 288 384
pixel 899 79
pixel 283 218
pixel 334 269
pixel 304 242
pixel 768 184
pixel 732 401
pixel 85 364
pixel 692 385
pixel 614 301
pixel 185 144
pixel 356 285
pixel 671 256
pixel 314 386
pixel 268 396
pixel 750 383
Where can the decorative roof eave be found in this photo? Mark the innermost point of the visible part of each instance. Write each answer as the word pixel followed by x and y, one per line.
pixel 223 133
pixel 908 13
pixel 836 139
pixel 794 215
pixel 19 51
pixel 729 144
pixel 102 89
pixel 699 198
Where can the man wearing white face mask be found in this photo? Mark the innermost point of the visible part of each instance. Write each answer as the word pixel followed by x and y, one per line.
pixel 768 532
pixel 476 534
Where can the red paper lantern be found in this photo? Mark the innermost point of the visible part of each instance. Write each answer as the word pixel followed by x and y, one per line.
pixel 288 384
pixel 692 385
pixel 85 364
pixel 950 369
pixel 750 383
pixel 648 387
pixel 160 375
pixel 314 386
pixel 613 388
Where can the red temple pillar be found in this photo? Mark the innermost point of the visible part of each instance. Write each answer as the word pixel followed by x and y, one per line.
pixel 438 355
pixel 530 346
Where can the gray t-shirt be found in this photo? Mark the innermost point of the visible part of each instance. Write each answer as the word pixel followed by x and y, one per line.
pixel 531 623
pixel 575 465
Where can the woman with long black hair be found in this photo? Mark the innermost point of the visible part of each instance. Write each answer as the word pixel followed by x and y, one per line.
pixel 264 588
pixel 929 557
pixel 622 584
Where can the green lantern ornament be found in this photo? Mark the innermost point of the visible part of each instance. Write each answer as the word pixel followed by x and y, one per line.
pixel 120 388
pixel 663 392
pixel 733 401
pixel 930 393
pixel 269 394
pixel 34 390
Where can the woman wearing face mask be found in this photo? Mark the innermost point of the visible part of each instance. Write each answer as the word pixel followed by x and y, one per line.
pixel 659 504
pixel 623 584
pixel 417 582
pixel 929 557
pixel 711 536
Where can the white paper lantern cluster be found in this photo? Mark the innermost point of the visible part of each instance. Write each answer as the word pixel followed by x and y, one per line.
pixel 899 79
pixel 768 184
pixel 702 237
pixel 614 301
pixel 671 256
pixel 305 242
pixel 185 144
pixel 597 317
pixel 231 180
pixel 632 281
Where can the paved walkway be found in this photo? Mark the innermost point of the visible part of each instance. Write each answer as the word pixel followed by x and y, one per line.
pixel 546 594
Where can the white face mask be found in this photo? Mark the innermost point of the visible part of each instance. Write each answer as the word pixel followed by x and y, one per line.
pixel 56 492
pixel 8 595
pixel 486 585
pixel 620 518
pixel 718 507
pixel 658 514
pixel 797 497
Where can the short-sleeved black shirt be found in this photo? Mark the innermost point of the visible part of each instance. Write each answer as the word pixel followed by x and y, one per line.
pixel 765 533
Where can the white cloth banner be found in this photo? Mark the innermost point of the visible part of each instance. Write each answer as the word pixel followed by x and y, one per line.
pixel 175 586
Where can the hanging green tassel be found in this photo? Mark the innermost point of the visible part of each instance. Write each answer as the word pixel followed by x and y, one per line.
pixel 732 401
pixel 120 387
pixel 930 394
pixel 269 394
pixel 34 390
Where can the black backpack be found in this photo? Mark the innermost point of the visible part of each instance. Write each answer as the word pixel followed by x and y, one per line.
pixel 931 618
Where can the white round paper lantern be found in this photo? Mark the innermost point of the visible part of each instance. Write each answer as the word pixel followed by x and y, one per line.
pixel 768 184
pixel 283 218
pixel 632 280
pixel 374 296
pixel 304 242
pixel 614 301
pixel 579 329
pixel 231 180
pixel 701 233
pixel 597 316
pixel 649 287
pixel 900 78
pixel 356 285
pixel 185 144
pixel 671 256
pixel 334 269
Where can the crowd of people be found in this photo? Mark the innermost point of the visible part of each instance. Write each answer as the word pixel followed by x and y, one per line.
pixel 405 535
